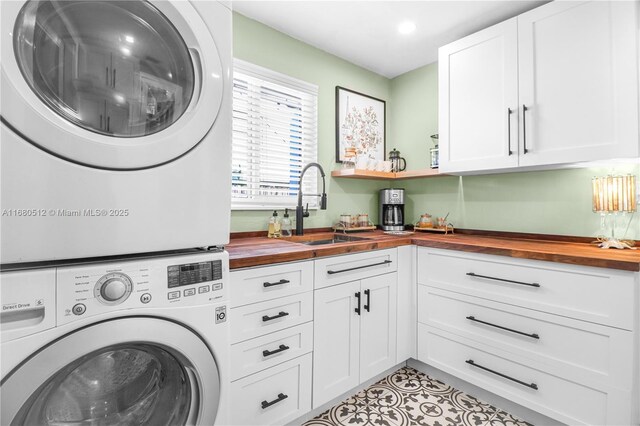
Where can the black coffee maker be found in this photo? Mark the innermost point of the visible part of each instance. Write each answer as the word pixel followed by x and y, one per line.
pixel 391 209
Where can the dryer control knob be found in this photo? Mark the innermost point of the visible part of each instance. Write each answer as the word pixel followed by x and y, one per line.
pixel 113 288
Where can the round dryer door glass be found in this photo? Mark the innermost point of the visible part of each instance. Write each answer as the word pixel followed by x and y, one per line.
pixel 124 385
pixel 118 68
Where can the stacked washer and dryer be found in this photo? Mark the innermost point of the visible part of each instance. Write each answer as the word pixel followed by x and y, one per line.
pixel 115 193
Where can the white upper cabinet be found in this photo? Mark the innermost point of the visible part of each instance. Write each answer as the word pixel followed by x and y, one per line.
pixel 567 71
pixel 479 100
pixel 578 74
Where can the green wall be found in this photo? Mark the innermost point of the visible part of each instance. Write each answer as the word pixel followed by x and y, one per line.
pixel 555 202
pixel 551 202
pixel 264 46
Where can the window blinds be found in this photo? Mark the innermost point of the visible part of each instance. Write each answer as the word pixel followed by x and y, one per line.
pixel 274 137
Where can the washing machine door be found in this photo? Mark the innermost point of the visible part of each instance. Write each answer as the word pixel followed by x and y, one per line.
pixel 110 84
pixel 129 371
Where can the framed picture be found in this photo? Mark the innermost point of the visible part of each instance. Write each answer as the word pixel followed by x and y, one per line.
pixel 360 125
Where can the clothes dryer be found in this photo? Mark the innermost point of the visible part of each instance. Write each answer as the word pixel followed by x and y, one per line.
pixel 116 127
pixel 141 342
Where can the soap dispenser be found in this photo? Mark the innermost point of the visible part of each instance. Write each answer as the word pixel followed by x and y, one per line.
pixel 286 224
pixel 274 226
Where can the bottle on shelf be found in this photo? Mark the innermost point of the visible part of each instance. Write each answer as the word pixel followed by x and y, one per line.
pixel 274 226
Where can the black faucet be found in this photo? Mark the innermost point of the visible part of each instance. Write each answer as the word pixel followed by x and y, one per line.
pixel 300 212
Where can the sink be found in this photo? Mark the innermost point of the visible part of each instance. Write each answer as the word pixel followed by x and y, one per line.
pixel 334 239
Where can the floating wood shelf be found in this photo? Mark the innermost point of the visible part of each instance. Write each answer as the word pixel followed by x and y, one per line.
pixel 370 174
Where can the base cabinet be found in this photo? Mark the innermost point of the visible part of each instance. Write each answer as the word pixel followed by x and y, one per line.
pixel 274 396
pixel 355 334
pixel 558 339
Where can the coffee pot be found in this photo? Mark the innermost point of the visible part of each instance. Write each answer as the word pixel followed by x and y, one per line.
pixel 398 163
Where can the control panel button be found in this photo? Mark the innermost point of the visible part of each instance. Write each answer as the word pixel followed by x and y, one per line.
pixel 79 309
pixel 173 295
pixel 113 290
pixel 190 292
pixel 217 286
pixel 203 289
pixel 145 298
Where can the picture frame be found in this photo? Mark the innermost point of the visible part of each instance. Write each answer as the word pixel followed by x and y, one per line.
pixel 360 124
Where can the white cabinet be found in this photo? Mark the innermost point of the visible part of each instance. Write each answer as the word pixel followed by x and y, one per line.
pixel 479 100
pixel 272 334
pixel 578 64
pixel 556 338
pixel 558 84
pixel 355 334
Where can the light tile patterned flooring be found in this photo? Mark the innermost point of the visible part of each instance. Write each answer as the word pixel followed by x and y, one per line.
pixel 409 397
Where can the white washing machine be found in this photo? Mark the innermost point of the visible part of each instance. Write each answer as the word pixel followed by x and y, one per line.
pixel 116 127
pixel 142 342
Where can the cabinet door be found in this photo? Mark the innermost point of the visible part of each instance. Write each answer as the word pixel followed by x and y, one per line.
pixel 336 350
pixel 578 69
pixel 478 100
pixel 378 325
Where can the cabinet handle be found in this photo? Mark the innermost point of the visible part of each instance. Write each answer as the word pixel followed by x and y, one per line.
pixel 471 274
pixel 367 306
pixel 532 335
pixel 108 123
pixel 106 76
pixel 384 262
pixel 358 307
pixel 266 318
pixel 529 385
pixel 509 112
pixel 268 284
pixel 524 128
pixel 281 348
pixel 113 80
pixel 281 397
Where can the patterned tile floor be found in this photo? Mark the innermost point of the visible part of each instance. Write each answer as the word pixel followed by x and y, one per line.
pixel 409 397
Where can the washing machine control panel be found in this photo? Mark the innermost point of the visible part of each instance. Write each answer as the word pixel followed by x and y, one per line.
pixel 187 280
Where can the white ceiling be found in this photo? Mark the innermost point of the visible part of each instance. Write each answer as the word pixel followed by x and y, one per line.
pixel 366 32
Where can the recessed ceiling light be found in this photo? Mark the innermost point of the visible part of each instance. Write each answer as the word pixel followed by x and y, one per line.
pixel 406 27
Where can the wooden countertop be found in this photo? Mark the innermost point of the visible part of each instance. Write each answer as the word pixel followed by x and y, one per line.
pixel 256 251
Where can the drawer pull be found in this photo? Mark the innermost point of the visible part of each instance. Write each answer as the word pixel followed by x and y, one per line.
pixel 384 262
pixel 367 306
pixel 283 281
pixel 281 397
pixel 532 335
pixel 358 307
pixel 471 274
pixel 529 385
pixel 266 318
pixel 281 348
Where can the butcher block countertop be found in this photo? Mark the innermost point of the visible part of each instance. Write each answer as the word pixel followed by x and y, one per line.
pixel 258 251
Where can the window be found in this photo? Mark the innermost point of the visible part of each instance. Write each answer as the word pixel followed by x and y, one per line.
pixel 275 124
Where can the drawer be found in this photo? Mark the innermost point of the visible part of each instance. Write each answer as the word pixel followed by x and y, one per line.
pixel 274 396
pixel 352 267
pixel 603 296
pixel 254 320
pixel 561 399
pixel 263 352
pixel 576 350
pixel 270 282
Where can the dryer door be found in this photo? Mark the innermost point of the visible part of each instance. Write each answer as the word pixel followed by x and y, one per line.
pixel 128 371
pixel 110 84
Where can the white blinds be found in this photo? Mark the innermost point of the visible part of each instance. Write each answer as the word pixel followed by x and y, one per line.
pixel 274 136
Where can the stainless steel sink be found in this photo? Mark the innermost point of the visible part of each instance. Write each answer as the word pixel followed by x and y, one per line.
pixel 337 238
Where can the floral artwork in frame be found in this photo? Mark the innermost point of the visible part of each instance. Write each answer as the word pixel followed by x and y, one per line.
pixel 360 125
